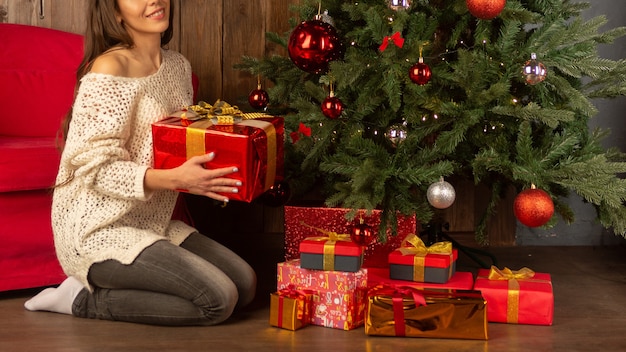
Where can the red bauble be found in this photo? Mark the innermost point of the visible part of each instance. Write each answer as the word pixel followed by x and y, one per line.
pixel 332 107
pixel 485 9
pixel 362 233
pixel 420 73
pixel 258 99
pixel 533 207
pixel 313 44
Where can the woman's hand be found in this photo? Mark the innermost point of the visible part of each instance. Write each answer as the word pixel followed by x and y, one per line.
pixel 194 178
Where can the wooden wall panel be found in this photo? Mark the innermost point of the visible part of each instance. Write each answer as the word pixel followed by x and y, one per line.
pixel 244 34
pixel 201 33
pixel 65 15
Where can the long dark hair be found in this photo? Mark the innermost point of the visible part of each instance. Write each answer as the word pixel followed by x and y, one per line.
pixel 104 32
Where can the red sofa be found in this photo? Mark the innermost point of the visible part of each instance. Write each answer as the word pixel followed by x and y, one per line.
pixel 37 76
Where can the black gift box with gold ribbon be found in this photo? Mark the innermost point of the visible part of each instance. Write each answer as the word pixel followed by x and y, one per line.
pixel 332 251
pixel 414 261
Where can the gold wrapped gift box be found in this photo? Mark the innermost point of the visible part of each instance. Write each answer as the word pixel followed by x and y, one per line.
pixel 446 314
pixel 290 311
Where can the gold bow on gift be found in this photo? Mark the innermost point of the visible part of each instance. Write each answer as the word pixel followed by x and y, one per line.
pixel 221 112
pixel 512 307
pixel 413 245
pixel 203 115
pixel 508 274
pixel 331 240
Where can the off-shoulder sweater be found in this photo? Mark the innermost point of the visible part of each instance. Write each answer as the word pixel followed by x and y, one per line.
pixel 104 212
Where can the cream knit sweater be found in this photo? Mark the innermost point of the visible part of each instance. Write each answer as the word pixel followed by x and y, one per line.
pixel 104 212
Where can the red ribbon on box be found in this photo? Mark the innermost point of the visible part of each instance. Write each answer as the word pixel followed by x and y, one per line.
pixel 292 293
pixel 398 293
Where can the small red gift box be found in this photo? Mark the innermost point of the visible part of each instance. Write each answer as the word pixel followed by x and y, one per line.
pixel 339 297
pixel 254 145
pixel 517 297
pixel 298 222
pixel 290 308
pixel 331 252
pixel 414 261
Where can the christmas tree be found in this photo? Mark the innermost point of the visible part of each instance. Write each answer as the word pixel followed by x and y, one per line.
pixel 385 98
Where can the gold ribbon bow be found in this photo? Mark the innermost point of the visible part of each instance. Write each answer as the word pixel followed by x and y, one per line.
pixel 512 276
pixel 331 240
pixel 413 245
pixel 221 112
pixel 204 115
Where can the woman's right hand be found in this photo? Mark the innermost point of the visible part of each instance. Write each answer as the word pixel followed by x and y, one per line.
pixel 194 178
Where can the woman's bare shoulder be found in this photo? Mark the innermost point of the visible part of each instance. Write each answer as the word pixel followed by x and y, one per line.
pixel 113 62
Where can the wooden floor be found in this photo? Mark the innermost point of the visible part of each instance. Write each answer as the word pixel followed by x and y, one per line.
pixel 590 315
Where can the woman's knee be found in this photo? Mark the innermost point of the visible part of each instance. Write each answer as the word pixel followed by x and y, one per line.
pixel 218 302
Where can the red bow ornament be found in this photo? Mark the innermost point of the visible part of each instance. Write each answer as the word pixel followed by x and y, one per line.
pixel 396 38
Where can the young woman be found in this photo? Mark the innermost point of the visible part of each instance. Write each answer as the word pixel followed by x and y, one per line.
pixel 124 256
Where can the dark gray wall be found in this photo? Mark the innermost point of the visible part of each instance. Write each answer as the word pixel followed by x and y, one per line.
pixel 586 231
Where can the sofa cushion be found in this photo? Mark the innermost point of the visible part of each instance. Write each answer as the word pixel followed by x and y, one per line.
pixel 27 163
pixel 38 78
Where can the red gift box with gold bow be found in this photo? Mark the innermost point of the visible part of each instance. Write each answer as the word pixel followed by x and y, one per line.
pixel 290 308
pixel 332 251
pixel 414 261
pixel 517 297
pixel 253 142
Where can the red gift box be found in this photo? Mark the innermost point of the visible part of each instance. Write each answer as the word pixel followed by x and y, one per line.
pixel 517 297
pixel 415 262
pixel 332 252
pixel 299 220
pixel 338 299
pixel 254 145
pixel 459 281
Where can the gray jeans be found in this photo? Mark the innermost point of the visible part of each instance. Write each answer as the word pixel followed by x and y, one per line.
pixel 199 283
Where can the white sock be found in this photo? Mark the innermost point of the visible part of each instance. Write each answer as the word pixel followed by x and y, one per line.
pixel 58 300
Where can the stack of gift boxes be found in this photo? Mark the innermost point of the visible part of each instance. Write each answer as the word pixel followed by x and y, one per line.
pixel 396 287
pixel 415 292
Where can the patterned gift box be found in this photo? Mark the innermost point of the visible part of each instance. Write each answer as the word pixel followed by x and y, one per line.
pixel 517 297
pixel 290 308
pixel 414 261
pixel 338 299
pixel 459 281
pixel 299 220
pixel 409 312
pixel 331 252
pixel 252 142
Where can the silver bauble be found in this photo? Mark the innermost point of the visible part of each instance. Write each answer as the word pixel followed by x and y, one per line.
pixel 441 194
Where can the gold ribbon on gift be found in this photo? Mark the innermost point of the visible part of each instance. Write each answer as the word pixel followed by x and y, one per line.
pixel 205 115
pixel 331 240
pixel 512 276
pixel 413 245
